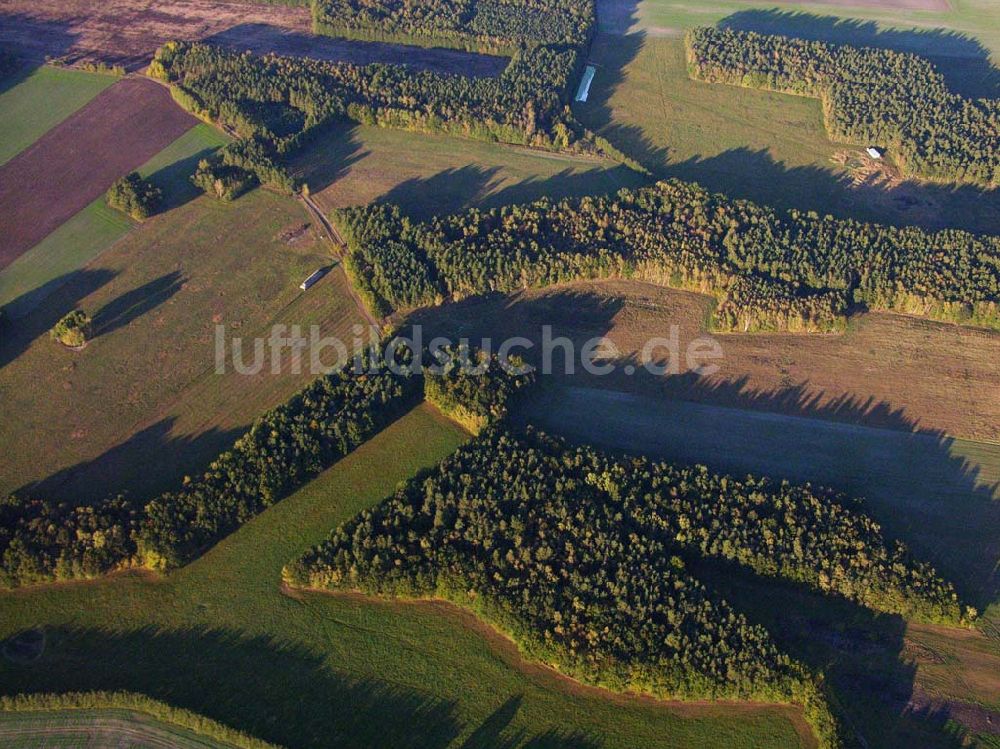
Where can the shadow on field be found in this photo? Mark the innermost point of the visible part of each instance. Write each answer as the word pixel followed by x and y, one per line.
pixel 911 203
pixel 33 40
pixel 328 155
pixel 862 655
pixel 174 180
pixel 25 318
pixel 126 469
pixel 962 59
pixel 133 304
pixel 615 53
pixel 935 493
pixel 275 691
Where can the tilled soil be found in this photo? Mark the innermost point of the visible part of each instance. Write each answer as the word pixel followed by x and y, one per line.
pixel 76 161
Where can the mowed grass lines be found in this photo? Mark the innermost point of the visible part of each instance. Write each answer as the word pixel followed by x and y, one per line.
pixel 40 99
pixel 142 405
pixel 220 638
pixel 80 729
pixel 26 281
pixel 431 175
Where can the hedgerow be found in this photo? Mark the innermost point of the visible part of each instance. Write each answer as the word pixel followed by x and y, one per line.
pixel 769 271
pixel 44 540
pixel 870 96
pixel 283 101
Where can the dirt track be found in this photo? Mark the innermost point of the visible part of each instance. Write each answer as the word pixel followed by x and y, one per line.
pixel 127 32
pixel 75 162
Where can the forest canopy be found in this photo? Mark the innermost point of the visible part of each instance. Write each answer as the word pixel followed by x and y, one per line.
pixel 793 271
pixel 871 96
pixel 578 555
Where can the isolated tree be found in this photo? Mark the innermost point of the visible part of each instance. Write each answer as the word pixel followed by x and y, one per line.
pixel 73 330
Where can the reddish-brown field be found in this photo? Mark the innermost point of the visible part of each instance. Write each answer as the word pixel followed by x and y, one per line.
pixel 74 163
pixel 127 32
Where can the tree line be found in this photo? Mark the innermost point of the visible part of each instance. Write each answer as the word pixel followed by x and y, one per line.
pixel 768 270
pixel 488 26
pixel 43 540
pixel 871 96
pixel 279 103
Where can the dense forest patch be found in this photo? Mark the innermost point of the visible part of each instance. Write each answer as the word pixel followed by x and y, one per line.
pixel 769 271
pixel 870 96
pixel 579 556
pixel 480 25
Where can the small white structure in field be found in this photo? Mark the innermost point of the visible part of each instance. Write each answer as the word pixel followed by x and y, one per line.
pixel 316 275
pixel 588 77
pixel 875 153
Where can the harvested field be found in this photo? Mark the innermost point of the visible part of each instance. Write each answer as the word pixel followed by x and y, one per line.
pixel 127 32
pixel 890 371
pixel 98 728
pixel 76 161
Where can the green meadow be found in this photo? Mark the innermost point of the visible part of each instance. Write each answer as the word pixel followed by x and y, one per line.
pixel 219 637
pixel 32 103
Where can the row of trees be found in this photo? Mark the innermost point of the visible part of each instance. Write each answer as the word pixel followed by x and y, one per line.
pixel 281 102
pixel 490 26
pixel 870 96
pixel 770 271
pixel 44 540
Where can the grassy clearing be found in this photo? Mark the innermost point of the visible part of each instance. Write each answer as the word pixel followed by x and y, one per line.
pixel 146 385
pixel 218 637
pixel 36 273
pixel 770 147
pixel 437 175
pixel 41 99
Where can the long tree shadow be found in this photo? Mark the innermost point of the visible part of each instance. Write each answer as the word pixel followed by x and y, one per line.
pixel 862 655
pixel 962 59
pixel 33 40
pixel 273 690
pixel 133 304
pixel 276 691
pixel 126 468
pixel 937 493
pixel 329 154
pixel 910 203
pixel 26 318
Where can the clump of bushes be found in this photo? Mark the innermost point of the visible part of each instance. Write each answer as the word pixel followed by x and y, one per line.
pixel 473 387
pixel 239 167
pixel 73 330
pixel 137 197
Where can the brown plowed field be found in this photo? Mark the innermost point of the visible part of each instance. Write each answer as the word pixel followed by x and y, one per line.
pixel 127 32
pixel 77 160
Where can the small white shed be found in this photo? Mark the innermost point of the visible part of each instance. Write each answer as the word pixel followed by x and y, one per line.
pixel 316 275
pixel 875 153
